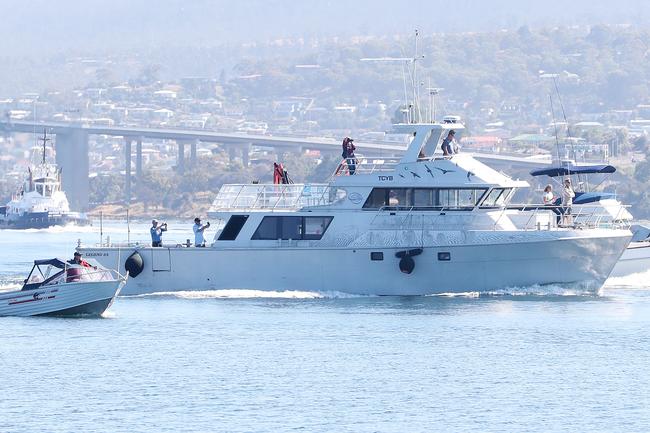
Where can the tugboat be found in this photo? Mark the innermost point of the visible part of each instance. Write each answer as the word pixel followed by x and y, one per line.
pixel 40 201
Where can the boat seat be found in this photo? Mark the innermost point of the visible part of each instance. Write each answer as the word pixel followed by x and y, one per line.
pixel 73 275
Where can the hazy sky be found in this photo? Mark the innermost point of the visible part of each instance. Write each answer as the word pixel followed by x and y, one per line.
pixel 34 26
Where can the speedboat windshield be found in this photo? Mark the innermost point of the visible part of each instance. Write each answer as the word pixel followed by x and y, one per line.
pixel 44 270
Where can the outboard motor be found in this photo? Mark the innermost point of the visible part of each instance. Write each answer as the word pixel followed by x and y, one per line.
pixel 134 264
pixel 406 263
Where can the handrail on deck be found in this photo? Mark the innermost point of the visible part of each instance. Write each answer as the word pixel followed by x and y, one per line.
pixel 583 218
pixel 365 165
pixel 580 219
pixel 271 196
pixel 370 165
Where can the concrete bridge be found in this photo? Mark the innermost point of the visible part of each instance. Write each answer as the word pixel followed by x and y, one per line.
pixel 72 149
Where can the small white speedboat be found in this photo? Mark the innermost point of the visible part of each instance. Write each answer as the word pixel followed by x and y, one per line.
pixel 58 288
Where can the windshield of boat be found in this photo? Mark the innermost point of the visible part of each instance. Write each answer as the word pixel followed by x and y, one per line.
pixel 42 273
pixel 497 197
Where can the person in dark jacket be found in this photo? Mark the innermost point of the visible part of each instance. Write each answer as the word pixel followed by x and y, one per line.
pixel 348 154
pixel 446 143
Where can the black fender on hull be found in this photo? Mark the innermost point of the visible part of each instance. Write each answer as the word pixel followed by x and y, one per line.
pixel 134 264
pixel 406 263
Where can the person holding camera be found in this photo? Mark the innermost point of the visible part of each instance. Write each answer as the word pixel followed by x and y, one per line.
pixel 156 231
pixel 199 238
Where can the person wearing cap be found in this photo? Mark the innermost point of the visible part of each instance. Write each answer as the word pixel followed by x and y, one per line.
pixel 567 201
pixel 156 231
pixel 77 260
pixel 446 143
pixel 199 238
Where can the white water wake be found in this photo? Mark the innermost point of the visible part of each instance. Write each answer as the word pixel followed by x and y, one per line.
pixel 8 287
pixel 579 289
pixel 9 283
pixel 640 280
pixel 247 294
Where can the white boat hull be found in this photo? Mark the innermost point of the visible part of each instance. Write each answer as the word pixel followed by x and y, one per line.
pixel 484 267
pixel 87 298
pixel 635 259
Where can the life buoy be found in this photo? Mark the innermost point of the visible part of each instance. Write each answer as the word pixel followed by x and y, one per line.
pixel 134 264
pixel 406 263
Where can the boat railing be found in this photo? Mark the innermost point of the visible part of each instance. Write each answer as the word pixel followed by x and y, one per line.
pixel 371 165
pixel 271 196
pixel 365 165
pixel 417 217
pixel 581 216
pixel 528 217
pixel 78 274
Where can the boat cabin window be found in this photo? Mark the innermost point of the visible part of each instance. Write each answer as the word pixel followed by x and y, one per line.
pixel 377 198
pixel 232 228
pixel 292 227
pixel 497 197
pixel 314 227
pixel 425 198
pixel 39 188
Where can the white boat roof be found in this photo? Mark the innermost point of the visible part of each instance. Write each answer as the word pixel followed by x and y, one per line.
pixel 411 169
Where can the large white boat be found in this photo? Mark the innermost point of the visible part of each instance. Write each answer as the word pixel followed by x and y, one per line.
pixel 409 226
pixel 40 202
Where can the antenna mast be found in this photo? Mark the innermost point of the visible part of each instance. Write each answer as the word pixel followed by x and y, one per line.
pixel 557 141
pixel 415 82
pixel 412 109
pixel 44 139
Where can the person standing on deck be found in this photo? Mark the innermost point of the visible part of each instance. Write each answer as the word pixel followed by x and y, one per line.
pixel 156 231
pixel 199 238
pixel 446 143
pixel 567 201
pixel 549 200
pixel 351 159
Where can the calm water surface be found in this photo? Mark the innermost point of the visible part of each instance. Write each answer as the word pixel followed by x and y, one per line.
pixel 531 360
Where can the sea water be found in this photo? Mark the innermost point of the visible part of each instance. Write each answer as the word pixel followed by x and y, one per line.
pixel 530 359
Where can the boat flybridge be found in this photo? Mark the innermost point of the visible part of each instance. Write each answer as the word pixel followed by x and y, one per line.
pixel 421 224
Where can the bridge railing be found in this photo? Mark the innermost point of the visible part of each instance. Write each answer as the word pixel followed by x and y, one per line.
pixel 270 196
pixel 365 165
